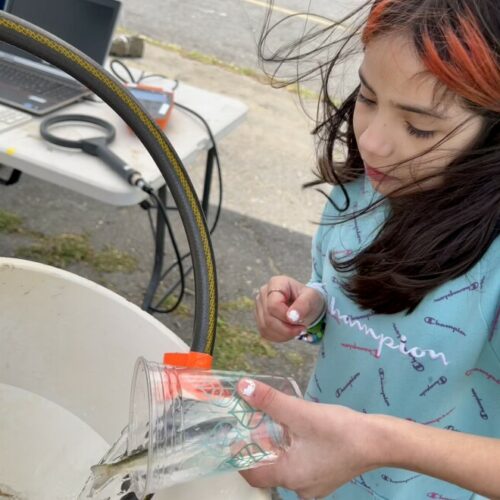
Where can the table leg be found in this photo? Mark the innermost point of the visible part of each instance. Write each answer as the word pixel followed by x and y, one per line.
pixel 208 181
pixel 159 251
pixel 160 231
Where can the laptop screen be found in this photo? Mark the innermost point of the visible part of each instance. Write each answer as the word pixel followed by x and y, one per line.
pixel 88 25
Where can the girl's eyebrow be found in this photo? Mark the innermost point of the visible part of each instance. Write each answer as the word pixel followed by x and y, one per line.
pixel 406 107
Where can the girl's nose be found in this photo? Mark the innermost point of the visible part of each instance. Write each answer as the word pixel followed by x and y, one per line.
pixel 376 141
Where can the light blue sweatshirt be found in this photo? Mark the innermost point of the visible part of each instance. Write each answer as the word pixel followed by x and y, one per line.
pixel 438 366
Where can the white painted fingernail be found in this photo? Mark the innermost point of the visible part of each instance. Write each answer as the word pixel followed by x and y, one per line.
pixel 247 387
pixel 293 315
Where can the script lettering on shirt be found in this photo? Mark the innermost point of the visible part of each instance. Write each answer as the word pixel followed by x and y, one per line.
pixel 479 401
pixel 488 375
pixel 372 352
pixel 384 340
pixel 341 390
pixel 433 494
pixel 316 381
pixel 433 321
pixel 357 231
pixel 470 288
pixel 385 477
pixel 438 419
pixel 434 420
pixel 417 365
pixel 494 325
pixel 381 375
pixel 439 381
pixel 363 316
pixel 360 481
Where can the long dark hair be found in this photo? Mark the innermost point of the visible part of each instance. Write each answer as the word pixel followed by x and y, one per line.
pixel 431 236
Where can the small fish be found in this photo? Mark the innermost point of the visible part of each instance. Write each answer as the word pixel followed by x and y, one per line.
pixel 105 472
pixel 138 459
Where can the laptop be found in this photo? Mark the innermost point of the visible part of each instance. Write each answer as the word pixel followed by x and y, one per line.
pixel 29 83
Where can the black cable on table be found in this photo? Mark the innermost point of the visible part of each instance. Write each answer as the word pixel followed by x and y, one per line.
pixel 164 208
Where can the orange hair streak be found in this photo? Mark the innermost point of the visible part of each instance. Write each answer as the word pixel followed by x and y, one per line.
pixel 372 25
pixel 472 70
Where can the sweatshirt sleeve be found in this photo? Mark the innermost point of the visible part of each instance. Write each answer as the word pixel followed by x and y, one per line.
pixel 318 252
pixel 319 244
pixel 319 259
pixel 316 280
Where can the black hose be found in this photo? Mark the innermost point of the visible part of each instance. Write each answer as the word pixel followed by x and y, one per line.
pixel 40 43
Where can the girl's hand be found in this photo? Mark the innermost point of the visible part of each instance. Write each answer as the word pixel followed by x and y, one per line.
pixel 284 308
pixel 329 445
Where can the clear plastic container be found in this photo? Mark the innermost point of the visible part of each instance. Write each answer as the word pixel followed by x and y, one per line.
pixel 191 423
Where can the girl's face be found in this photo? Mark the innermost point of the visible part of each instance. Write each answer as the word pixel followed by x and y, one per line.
pixel 398 118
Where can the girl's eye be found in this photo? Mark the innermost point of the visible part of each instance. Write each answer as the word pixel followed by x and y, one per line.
pixel 365 100
pixel 421 134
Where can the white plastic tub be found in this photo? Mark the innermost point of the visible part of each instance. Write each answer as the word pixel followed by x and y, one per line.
pixel 67 352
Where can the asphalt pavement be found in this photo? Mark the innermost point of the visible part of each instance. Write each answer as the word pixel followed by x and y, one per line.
pixel 206 26
pixel 265 226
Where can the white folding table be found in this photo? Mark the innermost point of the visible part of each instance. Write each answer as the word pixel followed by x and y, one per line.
pixel 23 150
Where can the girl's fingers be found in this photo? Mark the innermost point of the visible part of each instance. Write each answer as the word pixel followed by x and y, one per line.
pixel 271 312
pixel 260 478
pixel 273 329
pixel 277 330
pixel 259 317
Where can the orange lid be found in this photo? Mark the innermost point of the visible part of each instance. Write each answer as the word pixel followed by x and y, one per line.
pixel 200 360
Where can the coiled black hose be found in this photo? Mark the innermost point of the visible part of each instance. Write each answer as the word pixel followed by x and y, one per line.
pixel 40 43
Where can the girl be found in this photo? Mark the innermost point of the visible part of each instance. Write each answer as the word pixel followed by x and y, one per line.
pixel 405 284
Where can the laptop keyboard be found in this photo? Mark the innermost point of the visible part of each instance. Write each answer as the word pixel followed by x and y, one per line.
pixel 10 117
pixel 37 84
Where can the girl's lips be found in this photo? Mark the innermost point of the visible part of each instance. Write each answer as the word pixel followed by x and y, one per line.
pixel 375 174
